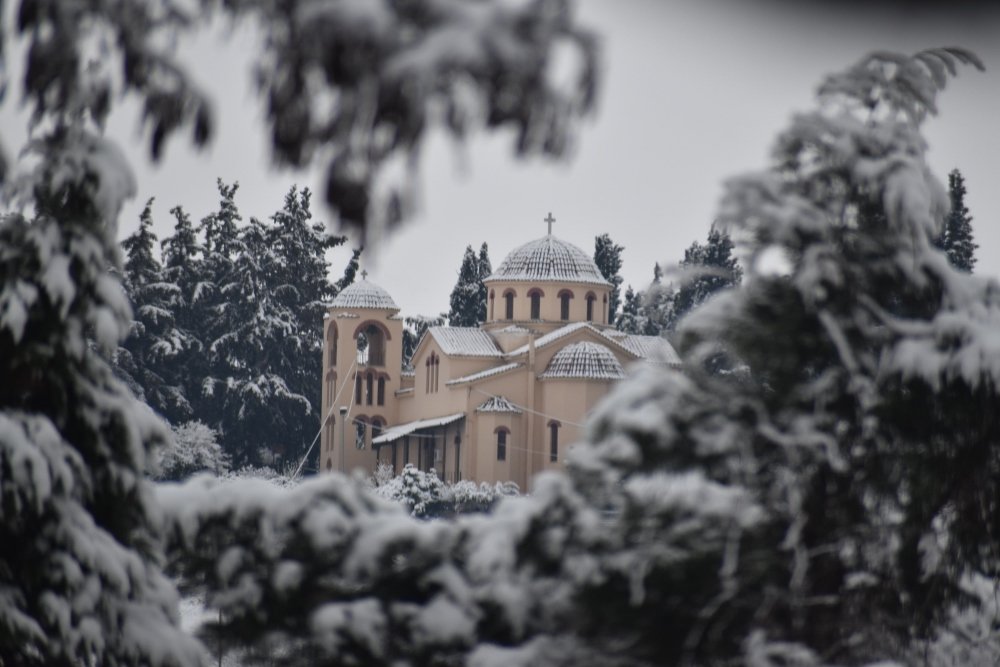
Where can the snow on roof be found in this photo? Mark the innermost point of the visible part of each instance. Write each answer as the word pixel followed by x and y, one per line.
pixel 407 373
pixel 465 342
pixel 364 294
pixel 549 258
pixel 397 432
pixel 402 392
pixel 553 336
pixel 489 372
pixel 649 348
pixel 512 328
pixel 584 360
pixel 498 404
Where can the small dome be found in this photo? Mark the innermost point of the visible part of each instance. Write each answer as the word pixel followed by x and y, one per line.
pixel 364 294
pixel 549 258
pixel 585 360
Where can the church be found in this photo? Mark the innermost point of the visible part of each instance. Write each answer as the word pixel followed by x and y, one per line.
pixel 494 403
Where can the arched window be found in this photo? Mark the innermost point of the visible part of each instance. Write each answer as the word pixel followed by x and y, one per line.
pixel 554 440
pixel 360 433
pixel 357 389
pixel 381 391
pixel 371 336
pixel 493 298
pixel 331 387
pixel 535 296
pixel 604 311
pixel 502 433
pixel 377 425
pixel 427 376
pixel 435 362
pixel 331 345
pixel 591 298
pixel 564 297
pixel 329 464
pixel 508 307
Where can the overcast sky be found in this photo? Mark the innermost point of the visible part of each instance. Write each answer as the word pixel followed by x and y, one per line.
pixel 694 92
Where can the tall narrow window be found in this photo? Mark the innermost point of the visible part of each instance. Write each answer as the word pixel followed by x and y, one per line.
pixel 331 345
pixel 369 388
pixel 604 310
pixel 508 298
pixel 427 378
pixel 590 306
pixel 360 431
pixel 502 444
pixel 564 297
pixel 553 441
pixel 536 304
pixel 381 391
pixel 357 390
pixel 493 298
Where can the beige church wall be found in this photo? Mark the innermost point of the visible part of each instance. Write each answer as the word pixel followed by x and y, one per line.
pixel 569 402
pixel 484 466
pixel 549 306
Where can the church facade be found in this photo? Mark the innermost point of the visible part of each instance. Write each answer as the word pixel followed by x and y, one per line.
pixel 498 402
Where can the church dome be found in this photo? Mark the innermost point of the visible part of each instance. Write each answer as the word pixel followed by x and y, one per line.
pixel 364 294
pixel 585 360
pixel 549 259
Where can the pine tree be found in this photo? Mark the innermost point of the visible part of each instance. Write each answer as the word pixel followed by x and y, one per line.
pixel 956 237
pixel 466 308
pixel 707 269
pixel 608 257
pixel 350 272
pixel 485 271
pixel 630 319
pixel 146 355
pixel 416 327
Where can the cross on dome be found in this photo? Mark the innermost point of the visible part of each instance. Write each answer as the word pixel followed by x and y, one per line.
pixel 549 219
pixel 364 274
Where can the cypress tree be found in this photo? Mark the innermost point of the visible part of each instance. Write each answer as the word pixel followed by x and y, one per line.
pixel 467 310
pixel 956 237
pixel 608 257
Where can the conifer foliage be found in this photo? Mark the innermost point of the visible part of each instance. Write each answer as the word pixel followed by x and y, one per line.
pixel 468 298
pixel 237 337
pixel 608 257
pixel 956 238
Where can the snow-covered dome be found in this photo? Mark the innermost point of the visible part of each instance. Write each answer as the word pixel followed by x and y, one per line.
pixel 585 360
pixel 549 258
pixel 364 294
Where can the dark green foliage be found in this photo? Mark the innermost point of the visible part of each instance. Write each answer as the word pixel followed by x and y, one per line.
pixel 415 329
pixel 608 257
pixel 706 269
pixel 630 319
pixel 468 298
pixel 956 237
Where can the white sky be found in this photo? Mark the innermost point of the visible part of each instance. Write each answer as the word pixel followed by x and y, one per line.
pixel 694 92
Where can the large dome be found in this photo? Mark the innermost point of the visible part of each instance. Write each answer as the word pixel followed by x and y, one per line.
pixel 364 294
pixel 549 259
pixel 585 360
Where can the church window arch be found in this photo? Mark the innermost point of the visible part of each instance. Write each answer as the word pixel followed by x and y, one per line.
pixel 508 297
pixel 503 434
pixel 329 464
pixel 493 298
pixel 381 391
pixel 357 388
pixel 554 440
pixel 371 337
pixel 604 310
pixel 331 344
pixel 564 298
pixel 369 388
pixel 591 298
pixel 535 298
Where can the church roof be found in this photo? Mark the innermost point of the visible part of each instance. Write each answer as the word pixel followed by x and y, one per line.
pixel 549 259
pixel 650 348
pixel 584 360
pixel 481 375
pixel 364 294
pixel 465 342
pixel 498 404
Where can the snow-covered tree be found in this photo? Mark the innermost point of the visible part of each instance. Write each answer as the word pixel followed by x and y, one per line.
pixel 705 270
pixel 485 267
pixel 192 448
pixel 956 238
pixel 467 310
pixel 414 329
pixel 608 257
pixel 630 319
